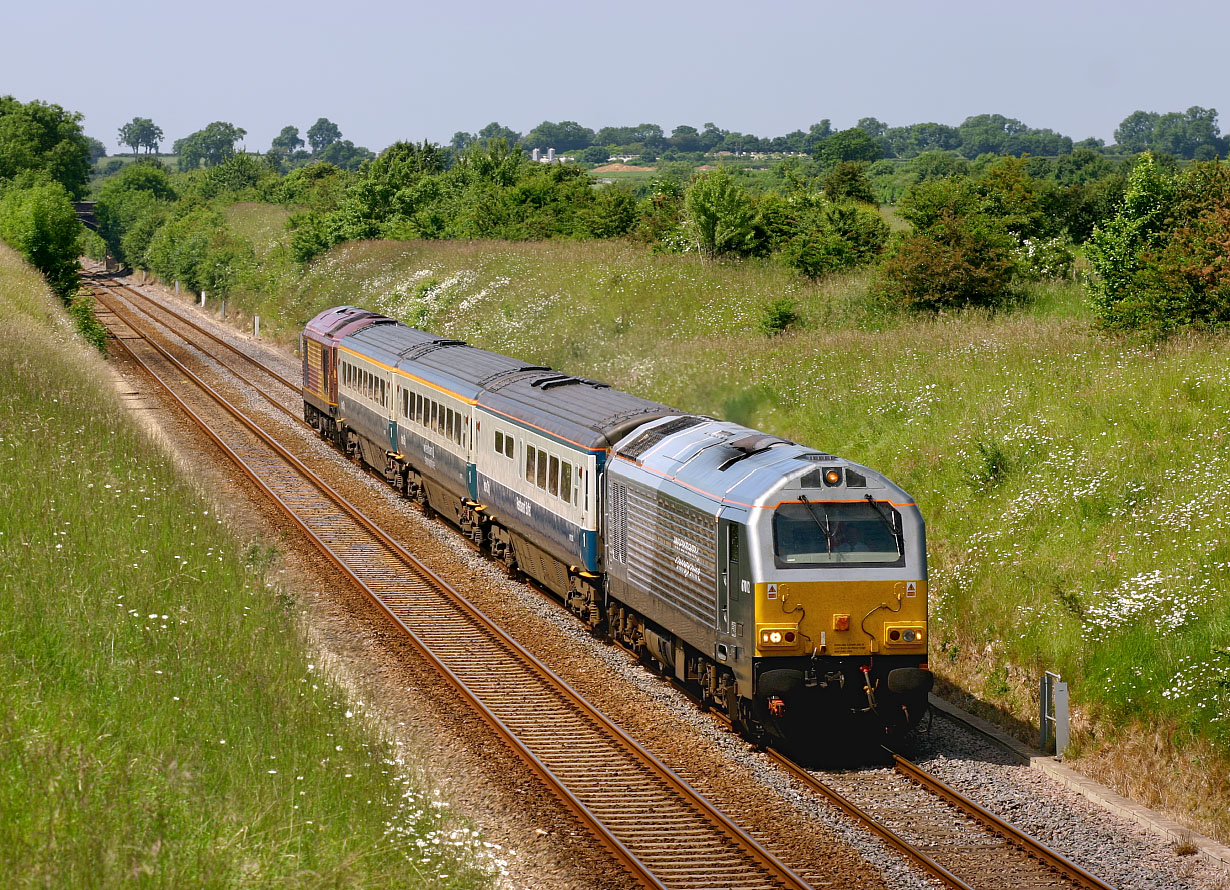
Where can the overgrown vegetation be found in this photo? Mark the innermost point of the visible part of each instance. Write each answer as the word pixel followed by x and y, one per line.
pixel 1072 484
pixel 162 722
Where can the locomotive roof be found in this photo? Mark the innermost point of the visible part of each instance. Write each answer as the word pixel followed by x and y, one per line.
pixel 718 461
pixel 333 325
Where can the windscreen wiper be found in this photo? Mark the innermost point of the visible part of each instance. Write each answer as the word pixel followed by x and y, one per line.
pixel 826 531
pixel 886 518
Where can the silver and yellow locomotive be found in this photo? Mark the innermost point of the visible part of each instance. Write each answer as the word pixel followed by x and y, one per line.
pixel 790 585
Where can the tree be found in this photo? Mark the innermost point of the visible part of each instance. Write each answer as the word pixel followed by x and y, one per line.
pixel 848 180
pixel 961 261
pixel 209 147
pixel 494 132
pixel 322 134
pixel 959 255
pixel 848 145
pixel 685 138
pixel 131 206
pixel 564 136
pixel 827 236
pixel 1160 262
pixel 345 155
pixel 39 223
pixel 1135 132
pixel 97 149
pixel 720 215
pixel 711 136
pixel 38 138
pixel 288 141
pixel 916 139
pixel 141 132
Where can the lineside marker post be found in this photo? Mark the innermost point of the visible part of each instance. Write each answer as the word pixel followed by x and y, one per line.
pixel 256 326
pixel 1053 717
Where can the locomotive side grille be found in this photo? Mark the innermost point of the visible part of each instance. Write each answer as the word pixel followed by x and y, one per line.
pixel 671 552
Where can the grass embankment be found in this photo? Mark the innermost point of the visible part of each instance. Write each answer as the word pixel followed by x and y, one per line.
pixel 162 722
pixel 1074 486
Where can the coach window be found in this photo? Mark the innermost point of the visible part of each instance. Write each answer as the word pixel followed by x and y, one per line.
pixel 553 476
pixel 542 469
pixel 508 447
pixel 418 408
pixel 530 453
pixel 565 482
pixel 499 442
pixel 440 417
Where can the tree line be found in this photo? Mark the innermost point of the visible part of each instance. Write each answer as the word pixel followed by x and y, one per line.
pixel 1153 227
pixel 1190 134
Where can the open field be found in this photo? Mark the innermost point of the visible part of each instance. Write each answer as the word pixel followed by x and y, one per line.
pixel 1073 484
pixel 163 723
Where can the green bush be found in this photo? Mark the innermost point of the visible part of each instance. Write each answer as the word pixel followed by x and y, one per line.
pixel 780 315
pixel 720 215
pixel 81 308
pixel 828 237
pixel 131 207
pixel 39 223
pixel 960 262
pixel 1160 264
pixel 197 249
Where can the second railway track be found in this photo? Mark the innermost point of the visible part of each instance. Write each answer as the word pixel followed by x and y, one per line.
pixel 667 835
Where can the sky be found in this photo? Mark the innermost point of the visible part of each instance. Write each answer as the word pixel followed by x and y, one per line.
pixel 385 70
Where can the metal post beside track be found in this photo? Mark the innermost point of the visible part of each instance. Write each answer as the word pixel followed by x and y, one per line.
pixel 1053 714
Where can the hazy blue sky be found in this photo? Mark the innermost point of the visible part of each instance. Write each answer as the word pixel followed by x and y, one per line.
pixel 385 70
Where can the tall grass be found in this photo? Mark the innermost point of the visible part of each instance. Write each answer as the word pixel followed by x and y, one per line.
pixel 1073 485
pixel 162 721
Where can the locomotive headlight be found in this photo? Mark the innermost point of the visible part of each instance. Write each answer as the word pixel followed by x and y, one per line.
pixel 905 634
pixel 783 637
pixel 832 476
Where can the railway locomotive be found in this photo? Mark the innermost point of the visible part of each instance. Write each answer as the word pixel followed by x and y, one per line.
pixel 785 585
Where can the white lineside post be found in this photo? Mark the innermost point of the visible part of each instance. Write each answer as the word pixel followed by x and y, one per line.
pixel 256 326
pixel 202 299
pixel 224 308
pixel 177 288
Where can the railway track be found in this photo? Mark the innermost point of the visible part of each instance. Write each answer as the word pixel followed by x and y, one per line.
pixel 662 831
pixel 945 833
pixel 600 773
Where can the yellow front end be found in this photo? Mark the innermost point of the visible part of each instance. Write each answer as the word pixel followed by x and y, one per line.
pixel 841 618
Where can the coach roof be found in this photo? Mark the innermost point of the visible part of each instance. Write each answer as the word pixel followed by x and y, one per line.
pixel 583 412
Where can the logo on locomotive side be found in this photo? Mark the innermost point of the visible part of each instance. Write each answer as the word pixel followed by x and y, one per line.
pixel 523 507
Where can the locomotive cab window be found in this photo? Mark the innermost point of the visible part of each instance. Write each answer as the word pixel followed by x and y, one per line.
pixel 816 533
